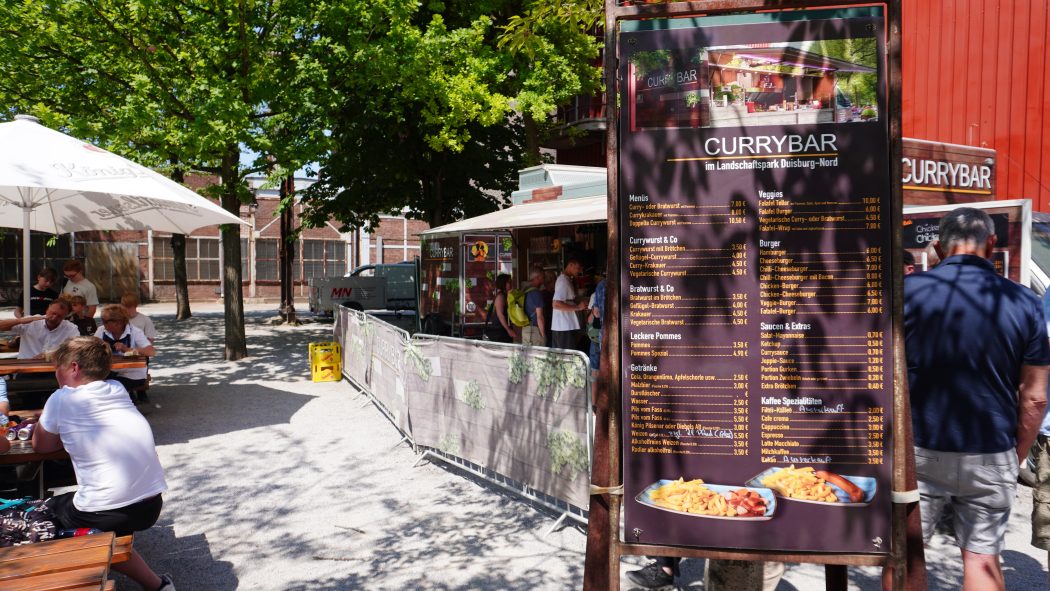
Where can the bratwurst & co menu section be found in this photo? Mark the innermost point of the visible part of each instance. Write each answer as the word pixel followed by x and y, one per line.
pixel 755 222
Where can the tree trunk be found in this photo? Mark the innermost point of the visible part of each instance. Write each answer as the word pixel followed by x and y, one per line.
pixel 287 253
pixel 233 296
pixel 178 250
pixel 182 288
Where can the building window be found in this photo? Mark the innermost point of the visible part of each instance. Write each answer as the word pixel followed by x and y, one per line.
pixel 42 254
pixel 266 260
pixel 163 260
pixel 202 259
pixel 335 257
pixel 313 259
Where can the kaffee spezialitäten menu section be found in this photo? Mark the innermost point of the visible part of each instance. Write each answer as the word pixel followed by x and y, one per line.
pixel 755 211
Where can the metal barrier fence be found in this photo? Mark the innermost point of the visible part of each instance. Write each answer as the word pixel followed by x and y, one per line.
pixel 517 416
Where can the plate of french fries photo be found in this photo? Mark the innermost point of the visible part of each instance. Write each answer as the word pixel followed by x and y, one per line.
pixel 809 485
pixel 700 499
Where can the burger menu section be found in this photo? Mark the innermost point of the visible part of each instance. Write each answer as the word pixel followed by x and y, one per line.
pixel 756 362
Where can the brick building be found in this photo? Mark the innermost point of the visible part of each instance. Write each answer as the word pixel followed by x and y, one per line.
pixel 123 261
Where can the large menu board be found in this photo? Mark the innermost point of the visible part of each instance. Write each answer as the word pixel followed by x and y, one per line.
pixel 755 221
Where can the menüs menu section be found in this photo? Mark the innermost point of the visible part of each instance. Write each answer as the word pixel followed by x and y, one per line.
pixel 755 223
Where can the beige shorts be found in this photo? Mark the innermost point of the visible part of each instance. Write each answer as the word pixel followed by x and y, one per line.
pixel 980 489
pixel 530 335
pixel 1041 494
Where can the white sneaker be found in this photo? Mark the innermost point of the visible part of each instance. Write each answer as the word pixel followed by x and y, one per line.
pixel 166 584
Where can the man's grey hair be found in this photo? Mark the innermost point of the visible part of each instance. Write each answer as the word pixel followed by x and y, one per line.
pixel 964 225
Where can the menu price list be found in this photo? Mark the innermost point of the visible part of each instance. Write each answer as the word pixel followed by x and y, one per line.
pixel 708 412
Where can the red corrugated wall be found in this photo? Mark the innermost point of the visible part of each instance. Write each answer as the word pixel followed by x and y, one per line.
pixel 975 74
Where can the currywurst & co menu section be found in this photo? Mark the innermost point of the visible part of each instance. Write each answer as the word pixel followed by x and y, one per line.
pixel 755 222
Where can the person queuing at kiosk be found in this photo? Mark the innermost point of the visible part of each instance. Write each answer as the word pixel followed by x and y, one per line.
pixel 498 327
pixel 565 326
pixel 908 262
pixel 977 353
pixel 536 332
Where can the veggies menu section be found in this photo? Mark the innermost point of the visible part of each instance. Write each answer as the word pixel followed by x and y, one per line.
pixel 755 285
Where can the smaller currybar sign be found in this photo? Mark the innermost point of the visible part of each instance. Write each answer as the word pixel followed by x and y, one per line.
pixel 936 173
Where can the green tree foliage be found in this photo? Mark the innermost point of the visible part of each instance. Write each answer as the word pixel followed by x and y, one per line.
pixel 431 102
pixel 183 84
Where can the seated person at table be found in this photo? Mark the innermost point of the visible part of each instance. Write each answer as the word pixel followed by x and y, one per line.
pixel 41 294
pixel 131 303
pixel 42 335
pixel 85 324
pixel 112 449
pixel 125 339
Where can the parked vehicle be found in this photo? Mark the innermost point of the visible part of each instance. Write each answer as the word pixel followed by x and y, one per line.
pixel 370 287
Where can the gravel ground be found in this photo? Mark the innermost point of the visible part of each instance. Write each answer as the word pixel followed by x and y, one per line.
pixel 278 483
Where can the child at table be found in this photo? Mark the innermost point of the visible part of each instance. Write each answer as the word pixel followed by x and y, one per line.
pixel 131 304
pixel 112 449
pixel 85 324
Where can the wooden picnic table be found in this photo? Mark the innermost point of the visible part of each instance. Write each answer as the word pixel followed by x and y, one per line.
pixel 22 452
pixel 76 563
pixel 19 366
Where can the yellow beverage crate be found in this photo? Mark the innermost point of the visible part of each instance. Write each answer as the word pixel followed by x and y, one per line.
pixel 326 362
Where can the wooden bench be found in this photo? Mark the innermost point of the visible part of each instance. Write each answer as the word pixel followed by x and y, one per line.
pixel 70 564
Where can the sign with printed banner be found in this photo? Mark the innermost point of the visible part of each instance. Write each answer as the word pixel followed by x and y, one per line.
pixel 1013 229
pixel 755 208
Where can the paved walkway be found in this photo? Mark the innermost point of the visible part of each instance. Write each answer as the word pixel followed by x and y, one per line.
pixel 278 483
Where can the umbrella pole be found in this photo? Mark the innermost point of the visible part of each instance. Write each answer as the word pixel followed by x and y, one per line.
pixel 26 265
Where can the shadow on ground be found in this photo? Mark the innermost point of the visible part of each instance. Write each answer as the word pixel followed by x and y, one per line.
pixel 167 553
pixel 191 411
pixel 186 350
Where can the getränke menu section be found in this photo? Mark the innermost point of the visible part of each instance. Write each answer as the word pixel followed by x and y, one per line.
pixel 755 204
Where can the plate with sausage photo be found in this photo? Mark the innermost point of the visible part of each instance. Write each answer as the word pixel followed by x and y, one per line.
pixel 700 499
pixel 809 485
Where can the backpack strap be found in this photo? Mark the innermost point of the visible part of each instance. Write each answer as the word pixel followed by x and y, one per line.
pixel 11 504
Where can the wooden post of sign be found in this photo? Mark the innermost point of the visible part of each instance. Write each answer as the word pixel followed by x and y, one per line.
pixel 604 549
pixel 907 556
pixel 602 561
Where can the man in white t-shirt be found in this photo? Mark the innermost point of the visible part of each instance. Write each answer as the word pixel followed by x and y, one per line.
pixel 112 449
pixel 565 323
pixel 42 335
pixel 79 285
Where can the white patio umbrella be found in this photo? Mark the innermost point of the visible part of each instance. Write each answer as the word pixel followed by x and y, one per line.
pixel 54 183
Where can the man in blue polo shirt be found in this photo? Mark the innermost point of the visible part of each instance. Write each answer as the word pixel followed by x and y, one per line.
pixel 977 352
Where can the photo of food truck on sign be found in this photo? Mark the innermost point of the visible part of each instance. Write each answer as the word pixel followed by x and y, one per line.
pixel 755 210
